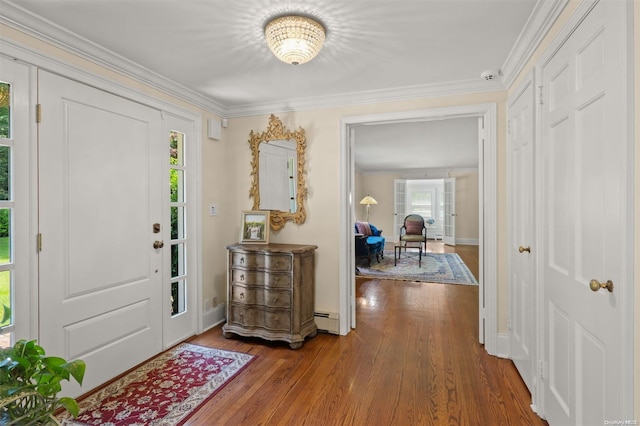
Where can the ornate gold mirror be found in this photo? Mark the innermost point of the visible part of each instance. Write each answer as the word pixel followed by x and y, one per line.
pixel 278 173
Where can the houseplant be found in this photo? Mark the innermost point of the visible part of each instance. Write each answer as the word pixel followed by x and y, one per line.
pixel 30 382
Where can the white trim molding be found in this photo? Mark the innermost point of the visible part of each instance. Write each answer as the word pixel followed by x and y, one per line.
pixel 542 17
pixel 488 241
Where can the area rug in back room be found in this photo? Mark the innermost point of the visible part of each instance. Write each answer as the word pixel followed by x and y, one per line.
pixel 445 268
pixel 165 390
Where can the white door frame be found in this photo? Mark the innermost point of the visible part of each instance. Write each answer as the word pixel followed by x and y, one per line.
pixel 488 333
pixel 45 61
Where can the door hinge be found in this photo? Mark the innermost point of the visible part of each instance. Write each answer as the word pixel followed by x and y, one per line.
pixel 540 95
pixel 39 242
pixel 541 369
pixel 38 113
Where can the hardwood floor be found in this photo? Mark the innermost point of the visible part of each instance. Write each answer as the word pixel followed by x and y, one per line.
pixel 414 359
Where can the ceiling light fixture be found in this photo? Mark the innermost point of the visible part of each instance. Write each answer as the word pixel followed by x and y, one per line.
pixel 294 39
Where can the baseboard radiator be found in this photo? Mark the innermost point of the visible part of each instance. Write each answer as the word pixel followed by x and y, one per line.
pixel 328 322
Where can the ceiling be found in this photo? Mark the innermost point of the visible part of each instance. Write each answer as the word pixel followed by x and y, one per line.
pixel 213 53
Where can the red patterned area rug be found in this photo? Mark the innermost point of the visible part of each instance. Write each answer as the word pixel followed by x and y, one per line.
pixel 166 390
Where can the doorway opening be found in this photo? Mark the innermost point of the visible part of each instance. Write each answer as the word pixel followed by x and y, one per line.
pixel 486 114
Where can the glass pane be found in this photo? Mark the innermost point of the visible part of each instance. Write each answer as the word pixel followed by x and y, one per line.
pixel 5 173
pixel 177 260
pixel 178 297
pixel 176 148
pixel 5 110
pixel 5 236
pixel 5 295
pixel 176 180
pixel 177 223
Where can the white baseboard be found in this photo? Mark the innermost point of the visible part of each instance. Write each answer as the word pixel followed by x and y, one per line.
pixel 213 317
pixel 468 241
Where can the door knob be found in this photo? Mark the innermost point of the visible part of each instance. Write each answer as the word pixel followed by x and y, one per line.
pixel 158 244
pixel 523 249
pixel 597 285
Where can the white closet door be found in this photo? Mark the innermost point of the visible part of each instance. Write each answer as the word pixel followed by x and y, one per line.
pixel 521 233
pixel 585 193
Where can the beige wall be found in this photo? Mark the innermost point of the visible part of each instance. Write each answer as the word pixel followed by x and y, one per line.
pixel 380 187
pixel 467 204
pixel 323 205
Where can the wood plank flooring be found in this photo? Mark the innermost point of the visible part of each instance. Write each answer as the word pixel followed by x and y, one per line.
pixel 414 359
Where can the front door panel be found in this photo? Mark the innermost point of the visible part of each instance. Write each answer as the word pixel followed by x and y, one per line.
pixel 100 277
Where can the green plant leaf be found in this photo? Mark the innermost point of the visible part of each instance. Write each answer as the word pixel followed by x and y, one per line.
pixel 70 405
pixel 6 314
pixel 77 369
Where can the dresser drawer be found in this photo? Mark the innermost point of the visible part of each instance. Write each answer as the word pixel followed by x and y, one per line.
pixel 272 262
pixel 260 278
pixel 254 317
pixel 261 296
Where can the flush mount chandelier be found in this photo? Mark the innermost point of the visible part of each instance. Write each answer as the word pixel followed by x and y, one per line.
pixel 294 39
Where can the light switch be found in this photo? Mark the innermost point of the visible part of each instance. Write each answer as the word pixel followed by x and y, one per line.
pixel 213 209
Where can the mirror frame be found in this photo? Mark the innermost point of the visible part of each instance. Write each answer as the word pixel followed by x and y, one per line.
pixel 277 131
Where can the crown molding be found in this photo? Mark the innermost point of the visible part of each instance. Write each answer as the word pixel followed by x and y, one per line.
pixel 464 87
pixel 542 17
pixel 22 20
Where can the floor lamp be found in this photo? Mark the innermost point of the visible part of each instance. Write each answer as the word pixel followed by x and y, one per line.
pixel 368 200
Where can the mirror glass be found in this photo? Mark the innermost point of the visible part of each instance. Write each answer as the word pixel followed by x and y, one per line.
pixel 278 173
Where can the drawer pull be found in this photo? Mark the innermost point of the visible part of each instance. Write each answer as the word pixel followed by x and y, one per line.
pixel 242 260
pixel 242 296
pixel 241 277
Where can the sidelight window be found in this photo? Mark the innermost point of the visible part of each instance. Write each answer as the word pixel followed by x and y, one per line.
pixel 178 206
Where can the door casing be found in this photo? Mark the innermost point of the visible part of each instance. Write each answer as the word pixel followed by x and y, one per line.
pixel 488 201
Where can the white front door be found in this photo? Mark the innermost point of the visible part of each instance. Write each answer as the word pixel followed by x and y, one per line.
pixel 521 225
pixel 449 226
pixel 100 278
pixel 587 222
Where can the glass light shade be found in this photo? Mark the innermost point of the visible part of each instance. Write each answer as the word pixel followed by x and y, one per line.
pixel 294 39
pixel 368 200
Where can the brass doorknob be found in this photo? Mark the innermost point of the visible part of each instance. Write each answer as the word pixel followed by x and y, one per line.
pixel 597 285
pixel 158 244
pixel 523 249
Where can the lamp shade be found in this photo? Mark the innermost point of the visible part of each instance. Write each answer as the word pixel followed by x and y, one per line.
pixel 368 200
pixel 294 39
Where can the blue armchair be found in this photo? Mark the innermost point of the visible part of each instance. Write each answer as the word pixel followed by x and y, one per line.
pixel 374 241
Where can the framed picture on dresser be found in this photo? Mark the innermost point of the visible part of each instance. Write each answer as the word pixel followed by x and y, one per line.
pixel 255 227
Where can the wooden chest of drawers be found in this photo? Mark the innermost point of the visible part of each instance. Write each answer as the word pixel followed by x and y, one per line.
pixel 271 292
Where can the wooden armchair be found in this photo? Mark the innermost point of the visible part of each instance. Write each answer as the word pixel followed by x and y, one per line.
pixel 413 232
